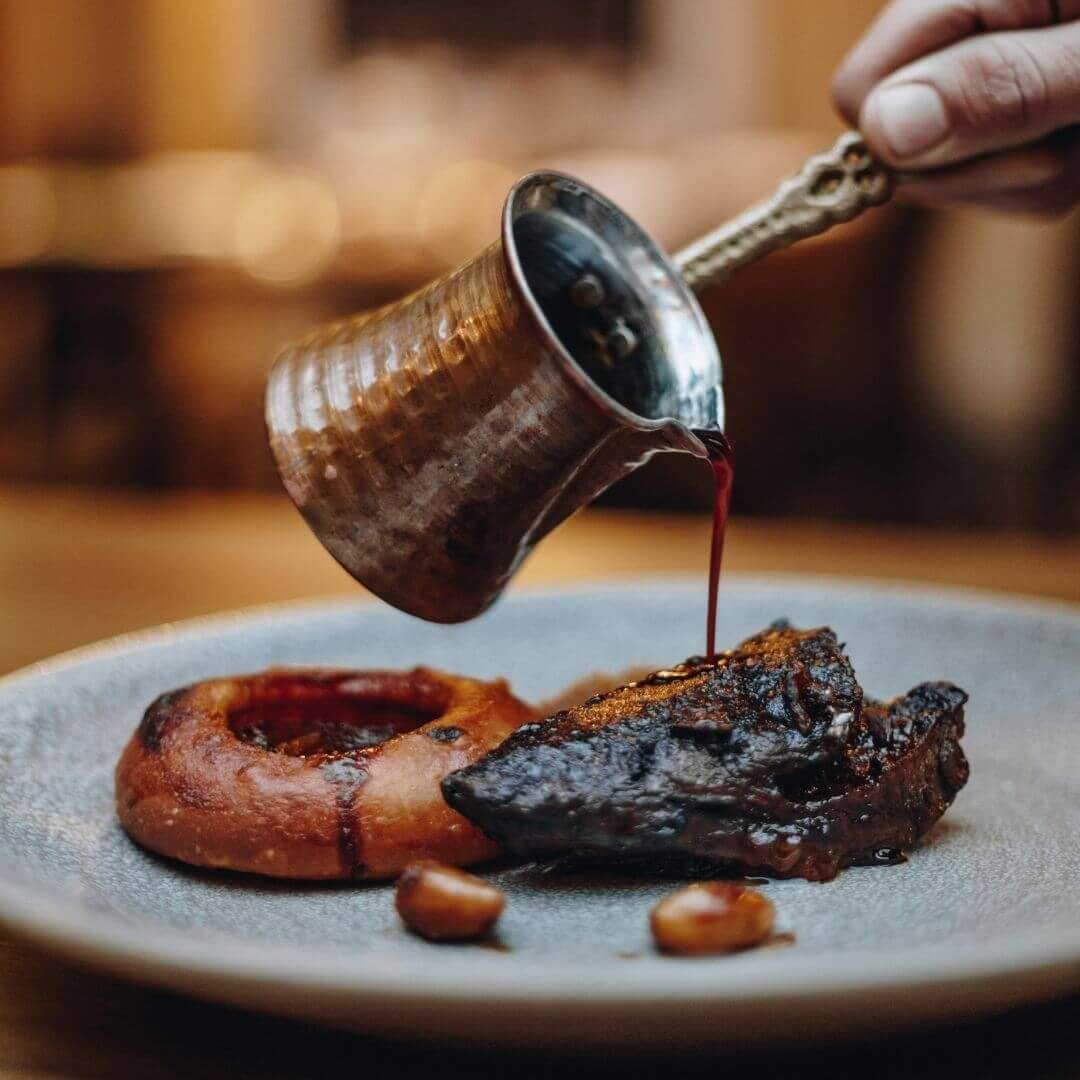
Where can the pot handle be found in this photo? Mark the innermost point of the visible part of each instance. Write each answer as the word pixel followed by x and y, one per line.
pixel 832 187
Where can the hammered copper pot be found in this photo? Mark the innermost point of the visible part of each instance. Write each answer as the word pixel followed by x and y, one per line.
pixel 431 443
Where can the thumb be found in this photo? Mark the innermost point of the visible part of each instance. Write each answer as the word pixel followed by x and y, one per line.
pixel 985 94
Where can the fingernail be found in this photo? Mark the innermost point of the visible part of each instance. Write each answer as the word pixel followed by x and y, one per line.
pixel 911 117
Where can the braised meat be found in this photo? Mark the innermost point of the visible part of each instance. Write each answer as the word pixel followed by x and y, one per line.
pixel 767 760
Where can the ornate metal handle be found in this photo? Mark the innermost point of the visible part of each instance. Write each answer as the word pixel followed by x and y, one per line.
pixel 831 187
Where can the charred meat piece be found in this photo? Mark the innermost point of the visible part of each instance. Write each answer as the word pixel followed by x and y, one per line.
pixel 765 761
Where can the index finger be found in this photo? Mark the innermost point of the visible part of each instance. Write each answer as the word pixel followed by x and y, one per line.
pixel 910 29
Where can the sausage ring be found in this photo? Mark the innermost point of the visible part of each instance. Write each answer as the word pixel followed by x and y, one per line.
pixel 312 773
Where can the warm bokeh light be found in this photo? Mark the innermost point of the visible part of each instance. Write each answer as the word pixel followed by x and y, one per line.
pixel 287 229
pixel 458 213
pixel 27 214
pixel 201 191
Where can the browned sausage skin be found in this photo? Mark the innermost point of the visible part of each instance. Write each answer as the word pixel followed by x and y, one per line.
pixel 312 773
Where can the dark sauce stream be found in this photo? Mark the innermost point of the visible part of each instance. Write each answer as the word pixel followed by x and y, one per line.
pixel 723 466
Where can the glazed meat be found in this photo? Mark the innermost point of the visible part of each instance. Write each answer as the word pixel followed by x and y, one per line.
pixel 767 761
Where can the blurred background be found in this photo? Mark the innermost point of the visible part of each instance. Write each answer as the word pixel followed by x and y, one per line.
pixel 186 185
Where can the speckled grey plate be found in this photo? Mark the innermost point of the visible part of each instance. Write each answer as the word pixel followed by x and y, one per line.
pixel 985 915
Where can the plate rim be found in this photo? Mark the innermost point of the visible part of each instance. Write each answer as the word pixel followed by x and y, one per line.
pixel 164 955
pixel 931 592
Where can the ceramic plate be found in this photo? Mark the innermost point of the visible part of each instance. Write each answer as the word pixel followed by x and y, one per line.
pixel 985 915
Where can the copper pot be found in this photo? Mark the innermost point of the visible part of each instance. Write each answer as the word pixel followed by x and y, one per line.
pixel 431 443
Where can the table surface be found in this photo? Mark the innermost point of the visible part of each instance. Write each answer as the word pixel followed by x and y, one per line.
pixel 78 566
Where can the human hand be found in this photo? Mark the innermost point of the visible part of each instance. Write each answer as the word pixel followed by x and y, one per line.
pixel 978 99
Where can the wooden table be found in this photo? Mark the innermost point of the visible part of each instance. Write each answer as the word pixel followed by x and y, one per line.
pixel 75 567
